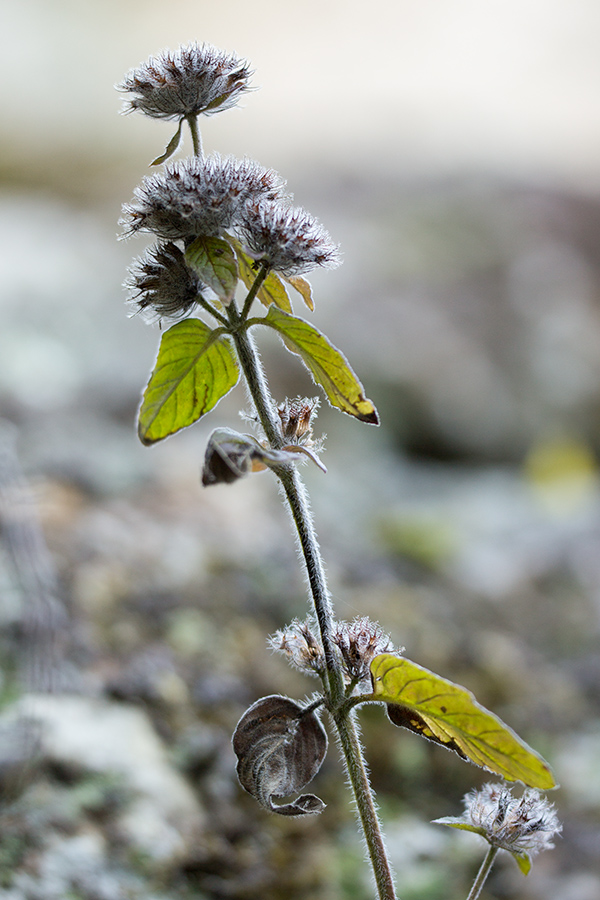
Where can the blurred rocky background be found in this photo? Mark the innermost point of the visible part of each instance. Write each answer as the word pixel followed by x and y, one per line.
pixel 453 148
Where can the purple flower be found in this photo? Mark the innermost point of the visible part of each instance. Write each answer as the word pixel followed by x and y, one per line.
pixel 196 79
pixel 162 284
pixel 198 196
pixel 289 239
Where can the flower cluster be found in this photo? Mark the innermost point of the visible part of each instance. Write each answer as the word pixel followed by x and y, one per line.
pixel 162 285
pixel 523 826
pixel 198 196
pixel 196 79
pixel 212 196
pixel 289 239
pixel 298 642
pixel 358 642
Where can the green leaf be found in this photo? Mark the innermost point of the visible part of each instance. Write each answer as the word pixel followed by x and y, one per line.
pixel 272 290
pixel 214 261
pixel 170 148
pixel 523 862
pixel 195 367
pixel 453 822
pixel 450 715
pixel 304 289
pixel 523 859
pixel 325 363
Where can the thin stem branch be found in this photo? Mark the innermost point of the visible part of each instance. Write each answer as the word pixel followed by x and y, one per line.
pixel 214 312
pixel 262 274
pixel 483 873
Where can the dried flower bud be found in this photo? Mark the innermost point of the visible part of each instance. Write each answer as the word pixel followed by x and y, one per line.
pixel 288 238
pixel 359 642
pixel 524 826
pixel 296 419
pixel 198 196
pixel 298 643
pixel 196 79
pixel 162 284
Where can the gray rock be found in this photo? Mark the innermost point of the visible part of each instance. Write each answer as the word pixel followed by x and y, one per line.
pixel 164 817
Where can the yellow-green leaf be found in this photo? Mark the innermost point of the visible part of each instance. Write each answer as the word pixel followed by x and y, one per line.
pixel 523 859
pixel 272 290
pixel 450 715
pixel 214 261
pixel 195 367
pixel 326 364
pixel 523 862
pixel 304 289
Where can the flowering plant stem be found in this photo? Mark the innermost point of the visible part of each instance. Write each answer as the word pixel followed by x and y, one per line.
pixel 483 873
pixel 342 716
pixel 220 223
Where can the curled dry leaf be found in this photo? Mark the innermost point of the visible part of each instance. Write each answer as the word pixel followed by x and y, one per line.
pixel 231 455
pixel 280 748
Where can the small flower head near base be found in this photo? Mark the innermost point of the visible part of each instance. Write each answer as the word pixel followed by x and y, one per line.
pixel 196 197
pixel 162 284
pixel 288 238
pixel 524 826
pixel 359 642
pixel 296 419
pixel 196 79
pixel 299 643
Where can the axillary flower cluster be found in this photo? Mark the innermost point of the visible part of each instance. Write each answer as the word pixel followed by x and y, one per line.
pixel 523 826
pixel 207 196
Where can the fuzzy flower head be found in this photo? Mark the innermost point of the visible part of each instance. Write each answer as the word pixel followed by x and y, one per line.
pixel 198 196
pixel 289 239
pixel 299 643
pixel 359 642
pixel 196 79
pixel 524 826
pixel 162 285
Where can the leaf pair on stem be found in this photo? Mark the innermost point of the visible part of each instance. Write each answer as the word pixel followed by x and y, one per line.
pixel 197 365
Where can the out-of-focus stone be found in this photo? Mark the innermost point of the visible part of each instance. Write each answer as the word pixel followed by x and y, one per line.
pixel 164 817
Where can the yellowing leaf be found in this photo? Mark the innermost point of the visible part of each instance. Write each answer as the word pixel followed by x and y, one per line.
pixel 272 290
pixel 450 715
pixel 304 289
pixel 523 861
pixel 326 364
pixel 522 858
pixel 195 367
pixel 214 261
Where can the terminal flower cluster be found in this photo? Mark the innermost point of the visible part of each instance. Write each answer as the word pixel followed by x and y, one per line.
pixel 196 79
pixel 209 196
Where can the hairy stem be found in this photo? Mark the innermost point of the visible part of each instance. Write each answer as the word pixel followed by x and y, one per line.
pixel 196 136
pixel 359 779
pixel 297 499
pixel 483 873
pixel 255 378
